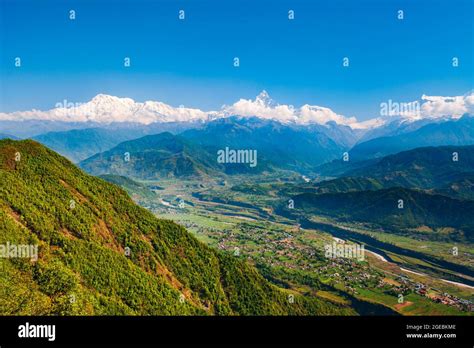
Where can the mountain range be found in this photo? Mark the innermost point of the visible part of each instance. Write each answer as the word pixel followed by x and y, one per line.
pixel 423 167
pixel 451 132
pixel 79 144
pixel 194 151
pixel 447 132
pixel 429 168
pixel 106 109
pixel 300 149
pixel 300 139
pixel 285 146
pixel 434 184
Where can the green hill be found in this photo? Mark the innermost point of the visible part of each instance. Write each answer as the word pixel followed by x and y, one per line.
pixel 462 188
pixel 427 168
pixel 347 184
pixel 83 227
pixel 424 167
pixel 444 218
pixel 166 155
pixel 153 157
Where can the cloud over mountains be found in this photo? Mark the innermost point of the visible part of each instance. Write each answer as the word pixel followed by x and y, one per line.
pixel 109 109
pixel 442 106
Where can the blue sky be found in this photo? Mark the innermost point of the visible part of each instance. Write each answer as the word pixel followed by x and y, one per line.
pixel 190 62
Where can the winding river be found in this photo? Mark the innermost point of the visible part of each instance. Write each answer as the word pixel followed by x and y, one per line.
pixel 378 247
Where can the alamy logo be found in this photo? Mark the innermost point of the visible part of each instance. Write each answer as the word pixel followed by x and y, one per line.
pixel 343 250
pixel 393 108
pixel 27 251
pixel 37 331
pixel 237 156
pixel 71 108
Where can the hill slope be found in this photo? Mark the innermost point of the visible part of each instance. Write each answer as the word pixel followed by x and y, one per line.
pixel 83 226
pixel 426 167
pixel 452 217
pixel 153 157
pixel 461 188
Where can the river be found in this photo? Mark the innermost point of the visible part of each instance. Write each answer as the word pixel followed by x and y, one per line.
pixel 376 246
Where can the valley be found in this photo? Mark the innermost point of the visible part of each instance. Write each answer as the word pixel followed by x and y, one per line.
pixel 290 252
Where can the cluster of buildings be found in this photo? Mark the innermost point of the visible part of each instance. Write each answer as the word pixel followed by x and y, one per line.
pixel 436 295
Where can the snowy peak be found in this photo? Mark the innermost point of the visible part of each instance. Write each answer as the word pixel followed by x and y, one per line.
pixel 265 107
pixel 107 109
pixel 264 99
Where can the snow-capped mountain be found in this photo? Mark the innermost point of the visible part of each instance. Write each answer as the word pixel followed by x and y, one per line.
pixel 106 109
pixel 265 107
pixel 109 109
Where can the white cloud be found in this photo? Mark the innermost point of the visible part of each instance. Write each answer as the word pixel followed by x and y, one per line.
pixel 318 114
pixel 437 106
pixel 429 107
pixel 107 109
pixel 260 107
pixel 265 107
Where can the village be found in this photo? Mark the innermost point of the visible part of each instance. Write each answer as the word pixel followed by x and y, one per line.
pixel 277 247
pixel 352 274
